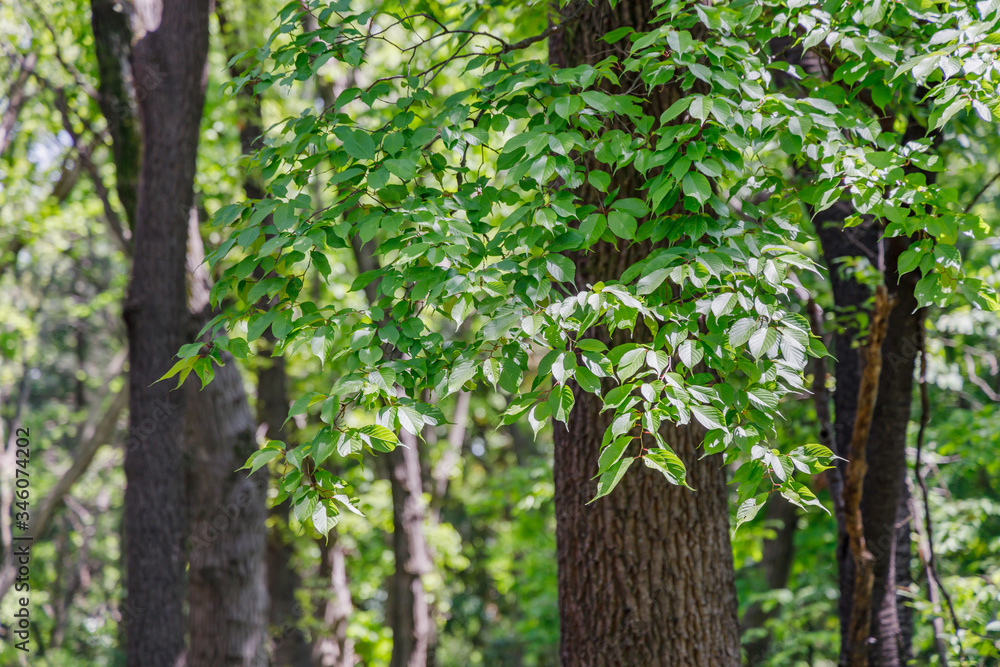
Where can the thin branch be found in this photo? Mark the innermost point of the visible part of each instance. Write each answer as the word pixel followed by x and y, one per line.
pixel 73 72
pixel 982 191
pixel 15 100
pixel 121 236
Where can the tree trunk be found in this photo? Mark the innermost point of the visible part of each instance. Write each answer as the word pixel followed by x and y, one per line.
pixel 289 645
pixel 227 597
pixel 886 450
pixel 409 612
pixel 646 573
pixel 111 23
pixel 334 648
pixel 170 58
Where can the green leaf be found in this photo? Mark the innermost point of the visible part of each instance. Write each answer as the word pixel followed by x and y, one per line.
pixel 612 453
pixel 708 416
pixel 260 458
pixel 648 284
pixel 622 225
pixel 410 419
pixel 664 460
pixel 690 353
pixel 610 479
pixel 538 416
pixel 632 206
pixel 560 268
pixel 748 510
pixel 322 521
pixel 600 180
pixel 631 362
pixel 358 144
pixel 617 34
pixel 676 109
pixel 561 401
pixel 740 332
pixel 697 186
pixel 462 373
pixel 762 340
pixel 380 433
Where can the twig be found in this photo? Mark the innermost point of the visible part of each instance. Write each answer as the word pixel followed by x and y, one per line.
pixel 982 191
pixel 857 467
pixel 16 98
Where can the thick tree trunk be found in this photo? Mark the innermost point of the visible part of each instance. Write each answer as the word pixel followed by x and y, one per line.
pixel 228 599
pixel 170 57
pixel 645 574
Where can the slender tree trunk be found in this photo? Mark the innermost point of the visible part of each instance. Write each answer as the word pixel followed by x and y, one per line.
pixel 111 23
pixel 289 645
pixel 171 54
pixel 334 648
pixel 227 598
pixel 646 573
pixel 886 450
pixel 410 614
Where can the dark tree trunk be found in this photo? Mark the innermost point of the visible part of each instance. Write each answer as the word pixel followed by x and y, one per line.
pixel 886 451
pixel 228 599
pixel 169 58
pixel 645 574
pixel 228 592
pixel 290 648
pixel 884 483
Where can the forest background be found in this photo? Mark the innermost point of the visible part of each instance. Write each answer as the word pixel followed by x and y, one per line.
pixel 453 556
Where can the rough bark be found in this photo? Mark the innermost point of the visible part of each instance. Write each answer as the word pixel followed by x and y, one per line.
pixel 171 50
pixel 646 573
pixel 883 490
